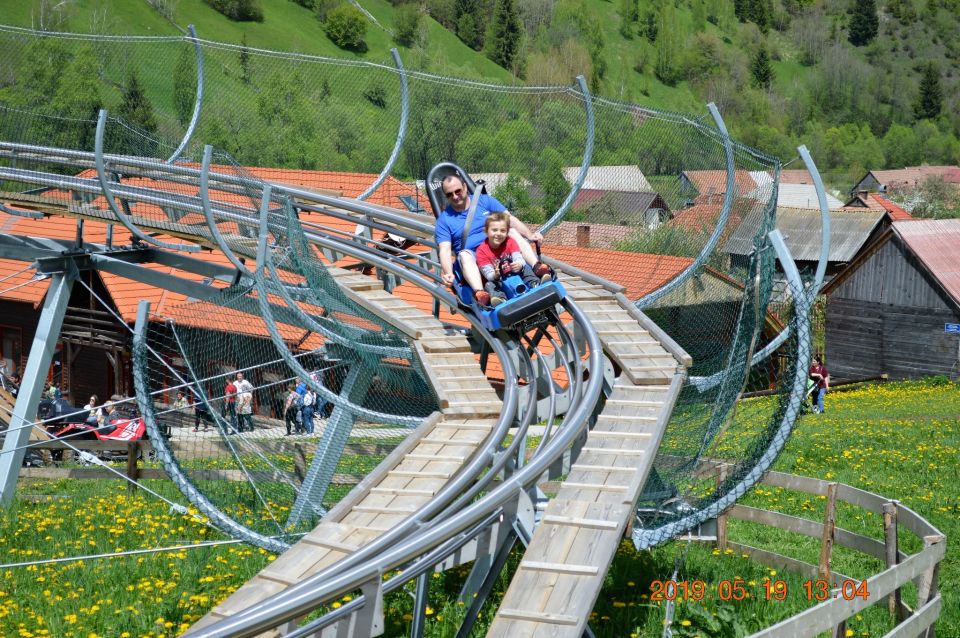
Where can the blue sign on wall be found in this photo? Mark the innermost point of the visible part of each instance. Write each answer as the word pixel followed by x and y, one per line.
pixel 951 327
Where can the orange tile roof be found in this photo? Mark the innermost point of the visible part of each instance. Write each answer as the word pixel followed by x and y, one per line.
pixel 700 218
pixel 795 176
pixel 601 235
pixel 895 212
pixel 713 183
pixel 913 175
pixel 639 272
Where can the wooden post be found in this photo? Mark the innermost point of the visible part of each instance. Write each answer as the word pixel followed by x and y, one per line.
pixel 722 518
pixel 927 588
pixel 826 539
pixel 299 462
pixel 892 556
pixel 133 464
pixel 826 548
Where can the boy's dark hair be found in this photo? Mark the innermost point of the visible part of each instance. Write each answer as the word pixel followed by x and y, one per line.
pixel 496 217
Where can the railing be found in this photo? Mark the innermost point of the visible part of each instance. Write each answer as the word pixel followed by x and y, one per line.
pixel 832 614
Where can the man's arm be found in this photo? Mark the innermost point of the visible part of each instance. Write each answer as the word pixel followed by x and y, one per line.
pixel 523 229
pixel 446 263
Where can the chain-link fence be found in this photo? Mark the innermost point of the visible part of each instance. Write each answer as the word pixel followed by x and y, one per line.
pixel 637 196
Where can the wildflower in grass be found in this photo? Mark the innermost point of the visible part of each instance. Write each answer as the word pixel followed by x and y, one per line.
pixel 685 623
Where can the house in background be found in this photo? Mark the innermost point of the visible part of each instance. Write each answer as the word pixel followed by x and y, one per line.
pixel 795 189
pixel 890 309
pixel 875 201
pixel 624 208
pixel 850 231
pixel 900 178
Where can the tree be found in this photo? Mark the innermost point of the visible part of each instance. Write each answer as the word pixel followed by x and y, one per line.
pixel 78 98
pixel 244 60
pixel 184 85
pixel 135 107
pixel 929 101
pixel 761 69
pixel 468 32
pixel 505 38
pixel 406 23
pixel 900 146
pixel 553 183
pixel 864 23
pixel 346 27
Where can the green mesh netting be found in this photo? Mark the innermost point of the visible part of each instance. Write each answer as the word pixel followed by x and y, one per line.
pixel 654 197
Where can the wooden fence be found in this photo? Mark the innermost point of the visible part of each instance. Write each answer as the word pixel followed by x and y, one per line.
pixel 831 615
pixel 137 451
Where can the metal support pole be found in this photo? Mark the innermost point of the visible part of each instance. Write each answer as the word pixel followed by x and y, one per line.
pixel 330 447
pixel 488 582
pixel 34 376
pixel 420 605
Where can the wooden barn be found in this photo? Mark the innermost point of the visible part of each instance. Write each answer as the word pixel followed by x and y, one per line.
pixel 890 310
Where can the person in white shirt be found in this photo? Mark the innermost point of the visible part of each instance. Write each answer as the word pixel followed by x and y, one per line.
pixel 244 403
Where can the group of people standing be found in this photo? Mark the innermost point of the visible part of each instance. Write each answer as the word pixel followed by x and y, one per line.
pixel 300 408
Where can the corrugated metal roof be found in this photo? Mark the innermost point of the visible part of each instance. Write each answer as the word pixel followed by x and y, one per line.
pixel 803 196
pixel 936 243
pixel 849 230
pixel 628 177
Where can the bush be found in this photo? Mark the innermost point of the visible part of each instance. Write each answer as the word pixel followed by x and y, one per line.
pixel 406 23
pixel 346 27
pixel 240 10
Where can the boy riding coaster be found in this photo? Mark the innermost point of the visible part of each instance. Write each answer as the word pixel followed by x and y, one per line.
pixel 499 257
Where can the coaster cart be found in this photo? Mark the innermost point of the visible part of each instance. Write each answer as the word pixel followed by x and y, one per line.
pixel 524 308
pixel 124 425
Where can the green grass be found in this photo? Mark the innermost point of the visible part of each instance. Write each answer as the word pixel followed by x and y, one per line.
pixel 899 440
pixel 286 27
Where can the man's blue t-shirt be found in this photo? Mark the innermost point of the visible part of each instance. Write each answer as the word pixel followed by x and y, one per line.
pixel 450 224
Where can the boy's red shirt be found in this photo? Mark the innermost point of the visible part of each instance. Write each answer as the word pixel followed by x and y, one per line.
pixel 489 256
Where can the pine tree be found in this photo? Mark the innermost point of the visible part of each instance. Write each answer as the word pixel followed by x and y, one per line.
pixel 507 29
pixel 864 23
pixel 761 69
pixel 135 107
pixel 929 101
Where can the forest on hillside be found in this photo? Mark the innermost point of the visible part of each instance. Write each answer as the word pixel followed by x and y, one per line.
pixel 864 84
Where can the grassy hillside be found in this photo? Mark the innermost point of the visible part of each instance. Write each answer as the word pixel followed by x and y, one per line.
pixel 855 107
pixel 287 26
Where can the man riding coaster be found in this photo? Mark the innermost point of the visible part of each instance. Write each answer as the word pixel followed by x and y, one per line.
pixel 450 236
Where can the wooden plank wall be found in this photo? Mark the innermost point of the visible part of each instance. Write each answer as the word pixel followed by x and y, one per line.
pixel 888 317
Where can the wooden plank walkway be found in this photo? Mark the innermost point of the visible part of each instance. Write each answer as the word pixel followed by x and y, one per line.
pixel 407 479
pixel 557 583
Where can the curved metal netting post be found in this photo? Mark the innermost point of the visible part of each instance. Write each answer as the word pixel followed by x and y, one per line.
pixel 170 463
pixel 714 239
pixel 262 288
pixel 401 131
pixel 704 383
pixel 198 99
pixel 208 214
pixel 557 217
pixel 108 195
pixel 789 409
